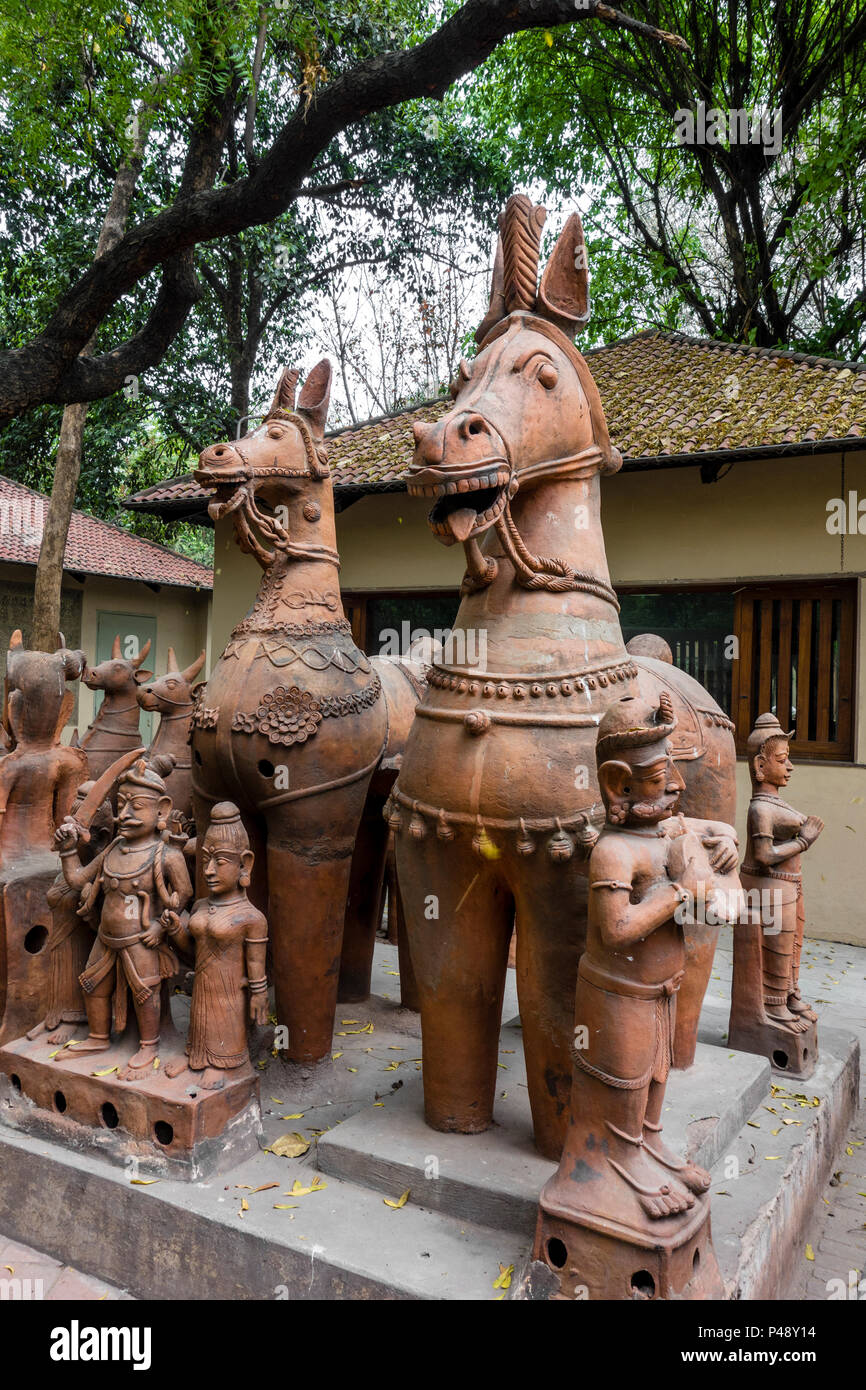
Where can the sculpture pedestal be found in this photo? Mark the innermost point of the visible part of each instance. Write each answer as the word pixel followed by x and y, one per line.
pixel 577 1257
pixel 750 1030
pixel 25 926
pixel 160 1126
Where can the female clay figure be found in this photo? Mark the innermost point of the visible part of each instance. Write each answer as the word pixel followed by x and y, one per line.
pixel 230 938
pixel 777 837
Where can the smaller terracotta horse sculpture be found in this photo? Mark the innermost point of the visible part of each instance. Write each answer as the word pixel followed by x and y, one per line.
pixel 171 696
pixel 115 729
pixel 296 726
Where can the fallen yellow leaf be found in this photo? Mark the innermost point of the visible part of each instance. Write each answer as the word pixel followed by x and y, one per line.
pixel 106 1071
pixel 284 1206
pixel 143 1182
pixel 298 1189
pixel 810 1253
pixel 298 1116
pixel 400 1202
pixel 289 1146
pixel 504 1280
pixel 265 1187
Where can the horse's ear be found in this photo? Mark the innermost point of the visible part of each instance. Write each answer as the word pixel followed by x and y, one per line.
pixel 563 295
pixel 316 395
pixel 284 396
pixel 496 307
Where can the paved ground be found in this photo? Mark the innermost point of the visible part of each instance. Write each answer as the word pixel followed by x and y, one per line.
pixel 833 978
pixel 41 1277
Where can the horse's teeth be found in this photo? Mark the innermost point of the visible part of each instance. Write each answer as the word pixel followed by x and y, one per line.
pixel 474 484
pixel 463 485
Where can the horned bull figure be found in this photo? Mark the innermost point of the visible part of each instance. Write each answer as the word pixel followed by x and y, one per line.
pixel 172 697
pixel 296 726
pixel 115 729
pixel 497 805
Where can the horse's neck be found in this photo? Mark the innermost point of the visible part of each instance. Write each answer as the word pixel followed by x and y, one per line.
pixel 303 589
pixel 538 629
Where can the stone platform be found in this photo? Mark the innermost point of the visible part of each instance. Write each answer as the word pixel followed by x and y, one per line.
pixel 157 1126
pixel 471 1208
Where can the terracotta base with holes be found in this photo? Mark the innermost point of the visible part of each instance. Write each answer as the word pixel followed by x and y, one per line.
pixel 750 1029
pixel 160 1126
pixel 25 922
pixel 673 1260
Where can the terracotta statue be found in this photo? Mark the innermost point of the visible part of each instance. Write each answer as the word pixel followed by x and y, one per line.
pixel 768 1014
pixel 142 878
pixel 297 726
pixel 496 806
pixel 622 1202
pixel 38 778
pixel 71 937
pixel 115 729
pixel 171 696
pixel 229 938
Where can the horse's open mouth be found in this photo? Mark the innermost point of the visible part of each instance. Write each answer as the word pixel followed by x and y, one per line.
pixel 464 506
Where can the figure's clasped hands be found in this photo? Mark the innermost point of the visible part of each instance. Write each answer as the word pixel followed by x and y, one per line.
pixel 724 852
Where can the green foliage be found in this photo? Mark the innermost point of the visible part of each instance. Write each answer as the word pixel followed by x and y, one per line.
pixel 728 240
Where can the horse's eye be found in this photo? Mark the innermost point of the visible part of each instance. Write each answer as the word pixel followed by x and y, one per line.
pixel 453 388
pixel 548 375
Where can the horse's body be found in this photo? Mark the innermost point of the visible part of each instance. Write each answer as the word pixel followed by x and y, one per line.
pixel 296 725
pixel 496 805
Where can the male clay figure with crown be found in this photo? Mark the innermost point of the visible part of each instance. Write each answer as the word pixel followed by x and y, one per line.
pixel 617 1181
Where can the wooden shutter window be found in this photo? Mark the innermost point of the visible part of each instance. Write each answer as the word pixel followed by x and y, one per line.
pixel 796 659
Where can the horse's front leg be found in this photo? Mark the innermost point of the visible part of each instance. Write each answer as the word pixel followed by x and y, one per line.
pixel 310 845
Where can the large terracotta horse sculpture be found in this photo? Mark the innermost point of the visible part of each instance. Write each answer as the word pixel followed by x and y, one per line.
pixel 296 725
pixel 496 805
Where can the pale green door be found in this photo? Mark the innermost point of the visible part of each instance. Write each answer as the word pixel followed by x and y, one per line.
pixel 134 630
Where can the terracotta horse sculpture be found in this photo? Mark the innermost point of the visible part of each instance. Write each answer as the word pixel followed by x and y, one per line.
pixel 296 726
pixel 497 805
pixel 171 696
pixel 115 729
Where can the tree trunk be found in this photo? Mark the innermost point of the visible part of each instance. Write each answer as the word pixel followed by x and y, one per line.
pixel 49 570
pixel 67 463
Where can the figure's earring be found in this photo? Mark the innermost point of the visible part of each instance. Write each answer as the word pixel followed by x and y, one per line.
pixel 161 823
pixel 244 879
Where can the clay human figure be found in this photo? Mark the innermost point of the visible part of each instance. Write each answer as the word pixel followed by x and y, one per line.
pixel 777 837
pixel 141 878
pixel 230 939
pixel 647 871
pixel 71 936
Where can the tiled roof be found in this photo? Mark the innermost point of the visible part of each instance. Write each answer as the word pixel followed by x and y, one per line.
pixel 92 546
pixel 666 396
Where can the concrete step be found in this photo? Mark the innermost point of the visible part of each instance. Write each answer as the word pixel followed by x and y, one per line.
pixel 494 1178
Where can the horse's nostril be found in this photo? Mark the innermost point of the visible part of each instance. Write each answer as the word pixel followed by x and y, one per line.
pixel 476 425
